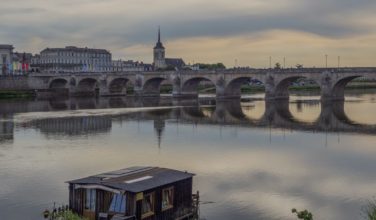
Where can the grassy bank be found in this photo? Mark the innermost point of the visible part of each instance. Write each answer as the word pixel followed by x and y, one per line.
pixel 16 94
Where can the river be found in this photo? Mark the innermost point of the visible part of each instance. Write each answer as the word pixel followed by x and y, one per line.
pixel 252 159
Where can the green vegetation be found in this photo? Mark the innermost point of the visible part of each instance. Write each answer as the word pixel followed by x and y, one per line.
pixel 61 213
pixel 211 66
pixel 305 215
pixel 16 94
pixel 299 66
pixel 369 211
pixel 69 215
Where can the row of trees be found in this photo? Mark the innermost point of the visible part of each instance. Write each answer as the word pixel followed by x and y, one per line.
pixel 278 66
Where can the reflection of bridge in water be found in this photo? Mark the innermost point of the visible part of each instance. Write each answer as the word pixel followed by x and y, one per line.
pixel 205 112
pixel 6 128
pixel 277 115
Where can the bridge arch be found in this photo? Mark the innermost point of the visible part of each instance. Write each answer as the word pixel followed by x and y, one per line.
pixel 282 87
pixel 59 83
pixel 234 87
pixel 88 86
pixel 152 86
pixel 338 89
pixel 118 86
pixel 190 87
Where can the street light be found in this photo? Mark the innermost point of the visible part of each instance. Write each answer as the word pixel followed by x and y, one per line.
pixel 270 62
pixel 326 60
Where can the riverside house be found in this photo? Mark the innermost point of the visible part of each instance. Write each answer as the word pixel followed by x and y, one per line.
pixel 137 193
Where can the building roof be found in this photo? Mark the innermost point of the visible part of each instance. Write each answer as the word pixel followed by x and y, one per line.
pixel 176 62
pixel 135 179
pixel 76 49
pixel 6 46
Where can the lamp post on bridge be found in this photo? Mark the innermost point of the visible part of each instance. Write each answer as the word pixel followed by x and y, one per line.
pixel 270 62
pixel 326 60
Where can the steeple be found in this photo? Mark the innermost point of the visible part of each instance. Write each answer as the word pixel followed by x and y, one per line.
pixel 159 34
pixel 159 53
pixel 159 44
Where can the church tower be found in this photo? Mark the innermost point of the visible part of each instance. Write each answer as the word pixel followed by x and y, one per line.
pixel 159 53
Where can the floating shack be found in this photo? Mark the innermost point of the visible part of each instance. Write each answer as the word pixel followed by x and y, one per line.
pixel 137 193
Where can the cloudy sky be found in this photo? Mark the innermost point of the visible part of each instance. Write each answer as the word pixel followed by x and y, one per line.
pixel 248 31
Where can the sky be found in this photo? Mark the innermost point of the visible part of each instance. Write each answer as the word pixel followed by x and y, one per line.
pixel 236 32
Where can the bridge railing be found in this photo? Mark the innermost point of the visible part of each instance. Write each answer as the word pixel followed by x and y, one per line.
pixel 226 71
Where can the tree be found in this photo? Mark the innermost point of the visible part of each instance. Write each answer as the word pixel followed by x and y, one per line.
pixel 305 215
pixel 211 66
pixel 277 66
pixel 299 66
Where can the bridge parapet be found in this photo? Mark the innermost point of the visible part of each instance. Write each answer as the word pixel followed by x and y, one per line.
pixel 227 82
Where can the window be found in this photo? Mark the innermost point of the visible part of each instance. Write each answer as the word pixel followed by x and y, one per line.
pixel 118 203
pixel 167 198
pixel 148 205
pixel 90 199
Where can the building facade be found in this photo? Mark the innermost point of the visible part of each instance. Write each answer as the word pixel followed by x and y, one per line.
pixel 73 59
pixel 6 59
pixel 21 63
pixel 130 66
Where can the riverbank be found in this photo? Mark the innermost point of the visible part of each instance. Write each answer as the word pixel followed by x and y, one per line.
pixel 16 94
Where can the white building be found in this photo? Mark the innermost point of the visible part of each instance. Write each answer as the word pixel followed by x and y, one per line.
pixel 6 54
pixel 130 66
pixel 73 59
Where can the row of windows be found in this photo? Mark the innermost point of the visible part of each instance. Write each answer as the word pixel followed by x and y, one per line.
pixel 74 54
pixel 83 69
pixel 74 61
pixel 148 202
pixel 118 202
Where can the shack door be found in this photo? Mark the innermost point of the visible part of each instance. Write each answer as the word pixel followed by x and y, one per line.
pixel 89 205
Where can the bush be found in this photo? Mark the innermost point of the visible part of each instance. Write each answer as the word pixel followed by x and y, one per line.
pixel 61 213
pixel 305 215
pixel 370 211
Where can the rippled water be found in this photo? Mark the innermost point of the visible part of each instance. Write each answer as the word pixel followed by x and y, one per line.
pixel 253 160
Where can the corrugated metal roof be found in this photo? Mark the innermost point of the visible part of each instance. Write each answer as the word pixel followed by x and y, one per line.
pixel 135 179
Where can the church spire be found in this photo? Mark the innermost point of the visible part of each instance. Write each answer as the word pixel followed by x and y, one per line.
pixel 159 34
pixel 159 44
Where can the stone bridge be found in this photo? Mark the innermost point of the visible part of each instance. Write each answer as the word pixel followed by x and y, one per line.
pixel 332 82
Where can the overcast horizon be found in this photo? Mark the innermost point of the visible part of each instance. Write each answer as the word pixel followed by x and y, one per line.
pixel 210 31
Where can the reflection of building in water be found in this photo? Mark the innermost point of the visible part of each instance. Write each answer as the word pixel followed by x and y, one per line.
pixel 6 128
pixel 74 125
pixel 159 126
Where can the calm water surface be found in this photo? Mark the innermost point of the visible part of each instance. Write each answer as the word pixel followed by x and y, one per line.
pixel 253 160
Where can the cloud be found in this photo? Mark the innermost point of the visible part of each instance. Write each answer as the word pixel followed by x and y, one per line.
pixel 117 25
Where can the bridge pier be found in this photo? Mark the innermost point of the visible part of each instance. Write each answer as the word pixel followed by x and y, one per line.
pixel 177 91
pixel 223 94
pixel 329 92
